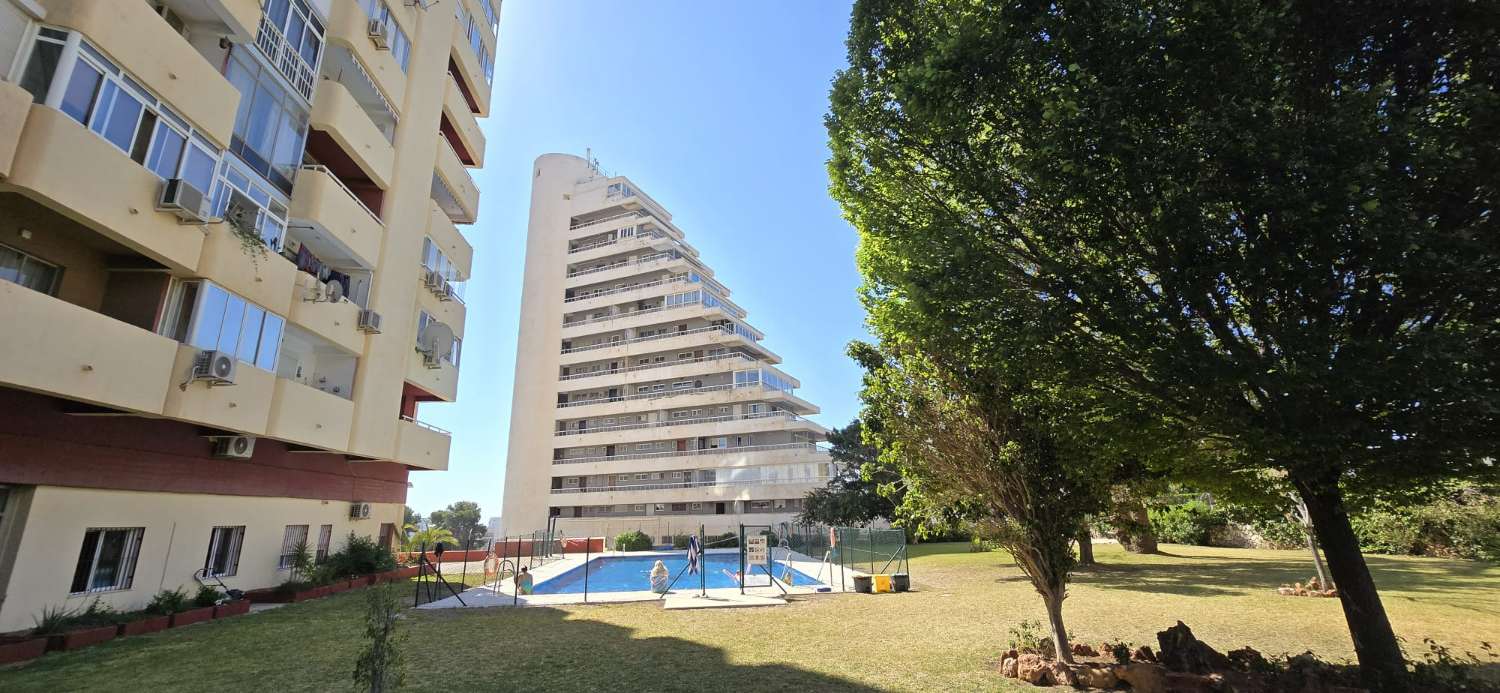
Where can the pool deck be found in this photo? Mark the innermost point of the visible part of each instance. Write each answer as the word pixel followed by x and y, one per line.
pixel 502 594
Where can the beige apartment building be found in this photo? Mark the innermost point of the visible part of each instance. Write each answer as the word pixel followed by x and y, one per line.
pixel 230 272
pixel 643 397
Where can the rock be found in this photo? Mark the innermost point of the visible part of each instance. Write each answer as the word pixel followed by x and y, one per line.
pixel 1083 650
pixel 1247 659
pixel 1144 654
pixel 1008 667
pixel 1060 674
pixel 1143 678
pixel 1180 682
pixel 1095 677
pixel 1180 651
pixel 1242 682
pixel 1011 653
pixel 1031 669
pixel 1286 591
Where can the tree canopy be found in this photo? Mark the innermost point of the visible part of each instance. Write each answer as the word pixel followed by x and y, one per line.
pixel 1266 223
pixel 854 496
pixel 461 519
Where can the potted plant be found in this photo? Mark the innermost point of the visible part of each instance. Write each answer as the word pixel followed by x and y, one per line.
pixel 70 629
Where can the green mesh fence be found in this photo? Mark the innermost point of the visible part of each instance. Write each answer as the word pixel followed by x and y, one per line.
pixel 861 549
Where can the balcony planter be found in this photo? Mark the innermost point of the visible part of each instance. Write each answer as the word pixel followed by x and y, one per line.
pixel 81 638
pixel 21 648
pixel 142 626
pixel 191 616
pixel 237 607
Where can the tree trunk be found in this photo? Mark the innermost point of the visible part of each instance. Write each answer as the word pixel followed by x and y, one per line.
pixel 1133 524
pixel 1381 663
pixel 1054 599
pixel 1085 547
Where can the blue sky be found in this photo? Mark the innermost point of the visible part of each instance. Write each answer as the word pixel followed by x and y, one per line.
pixel 716 110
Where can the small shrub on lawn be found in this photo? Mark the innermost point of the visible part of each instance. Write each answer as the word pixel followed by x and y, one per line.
pixel 632 541
pixel 168 602
pixel 1463 524
pixel 680 541
pixel 1187 523
pixel 727 540
pixel 381 666
pixel 207 596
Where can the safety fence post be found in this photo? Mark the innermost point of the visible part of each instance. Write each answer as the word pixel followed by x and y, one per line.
pixel 703 560
pixel 588 547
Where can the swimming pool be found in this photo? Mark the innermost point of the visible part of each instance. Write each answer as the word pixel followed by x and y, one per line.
pixel 633 573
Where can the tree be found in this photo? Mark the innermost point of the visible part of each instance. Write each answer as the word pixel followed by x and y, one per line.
pixel 991 448
pixel 381 666
pixel 1269 222
pixel 412 519
pixel 854 495
pixel 461 519
pixel 428 539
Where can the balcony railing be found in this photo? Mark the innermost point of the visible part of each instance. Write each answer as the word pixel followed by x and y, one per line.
pixel 286 58
pixel 427 426
pixel 689 453
pixel 729 329
pixel 682 422
pixel 624 289
pixel 642 260
pixel 660 394
pixel 692 484
pixel 630 314
pixel 334 177
pixel 606 220
pixel 663 364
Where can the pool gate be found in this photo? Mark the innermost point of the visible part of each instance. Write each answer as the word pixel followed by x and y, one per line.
pixel 867 550
pixel 498 559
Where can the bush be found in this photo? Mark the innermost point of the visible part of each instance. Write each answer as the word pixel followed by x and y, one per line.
pixel 168 602
pixel 359 556
pixel 680 541
pixel 1187 523
pixel 60 619
pixel 1465 524
pixel 632 541
pixel 727 540
pixel 207 596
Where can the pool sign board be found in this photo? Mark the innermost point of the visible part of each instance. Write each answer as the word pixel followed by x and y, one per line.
pixel 755 549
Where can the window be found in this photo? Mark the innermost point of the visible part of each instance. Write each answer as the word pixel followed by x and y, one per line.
pixel 223 551
pixel 396 39
pixel 388 535
pixel 295 535
pixel 206 316
pixel 695 506
pixel 107 101
pixel 28 271
pixel 106 561
pixel 235 175
pixel 298 28
pixel 640 477
pixel 676 475
pixel 433 258
pixel 325 537
pixel 640 508
pixel 270 128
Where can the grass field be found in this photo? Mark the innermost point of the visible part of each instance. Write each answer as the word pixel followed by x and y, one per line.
pixel 943 636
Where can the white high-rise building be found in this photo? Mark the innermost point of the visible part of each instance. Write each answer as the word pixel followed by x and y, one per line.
pixel 643 397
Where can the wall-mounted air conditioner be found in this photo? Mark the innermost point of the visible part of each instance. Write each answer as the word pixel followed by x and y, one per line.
pixel 234 447
pixel 179 197
pixel 446 293
pixel 215 367
pixel 378 35
pixel 369 322
pixel 359 511
pixel 433 279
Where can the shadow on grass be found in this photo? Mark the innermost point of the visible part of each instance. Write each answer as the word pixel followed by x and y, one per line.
pixel 544 649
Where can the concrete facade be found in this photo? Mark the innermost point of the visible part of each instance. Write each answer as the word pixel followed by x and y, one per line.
pixel 331 142
pixel 643 399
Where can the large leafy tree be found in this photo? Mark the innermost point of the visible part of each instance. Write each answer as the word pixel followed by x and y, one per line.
pixel 1272 222
pixel 461 519
pixel 862 489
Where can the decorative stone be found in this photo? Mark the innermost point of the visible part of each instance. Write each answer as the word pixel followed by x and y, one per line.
pixel 1031 669
pixel 1143 678
pixel 1008 667
pixel 1181 651
pixel 1144 654
pixel 1247 659
pixel 1083 650
pixel 1060 674
pixel 1181 682
pixel 1095 677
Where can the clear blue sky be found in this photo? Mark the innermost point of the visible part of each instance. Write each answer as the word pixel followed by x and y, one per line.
pixel 716 110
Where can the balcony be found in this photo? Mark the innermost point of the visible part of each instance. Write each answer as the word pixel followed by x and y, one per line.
pixel 244 407
pixel 715 458
pixel 60 349
pixel 709 426
pixel 266 279
pixel 683 492
pixel 321 201
pixel 451 312
pixel 309 416
pixel 15 103
pixel 349 27
pixel 667 370
pixel 461 56
pixel 337 113
pixel 452 187
pixel 335 321
pixel 157 56
pixel 238 19
pixel 464 126
pixel 64 166
pixel 440 382
pixel 422 445
pixel 668 261
pixel 449 240
pixel 630 293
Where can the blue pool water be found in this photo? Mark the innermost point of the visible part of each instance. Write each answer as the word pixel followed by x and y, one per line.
pixel 633 573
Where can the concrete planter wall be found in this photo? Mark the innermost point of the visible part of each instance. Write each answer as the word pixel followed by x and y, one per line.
pixel 20 650
pixel 191 616
pixel 235 608
pixel 149 624
pixel 79 639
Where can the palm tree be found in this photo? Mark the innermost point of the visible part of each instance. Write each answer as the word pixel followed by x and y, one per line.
pixel 429 538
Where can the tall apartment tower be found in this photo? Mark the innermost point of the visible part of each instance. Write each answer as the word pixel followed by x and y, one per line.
pixel 643 397
pixel 230 269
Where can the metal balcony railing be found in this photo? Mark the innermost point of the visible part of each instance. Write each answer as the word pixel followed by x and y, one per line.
pixel 625 289
pixel 727 329
pixel 662 393
pixel 427 426
pixel 663 364
pixel 286 58
pixel 681 422
pixel 813 447
pixel 693 484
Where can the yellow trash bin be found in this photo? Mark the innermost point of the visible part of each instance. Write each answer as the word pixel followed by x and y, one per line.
pixel 882 583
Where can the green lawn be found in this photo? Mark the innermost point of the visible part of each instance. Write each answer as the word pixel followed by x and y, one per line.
pixel 944 636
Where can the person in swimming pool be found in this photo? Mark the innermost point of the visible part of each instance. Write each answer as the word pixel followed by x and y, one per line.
pixel 523 581
pixel 659 576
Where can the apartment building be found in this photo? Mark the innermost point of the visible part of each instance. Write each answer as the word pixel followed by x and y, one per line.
pixel 644 399
pixel 230 273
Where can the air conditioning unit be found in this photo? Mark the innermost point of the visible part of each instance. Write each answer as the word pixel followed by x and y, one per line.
pixel 182 199
pixel 433 279
pixel 215 367
pixel 234 447
pixel 369 322
pixel 431 361
pixel 378 35
pixel 446 293
pixel 359 511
